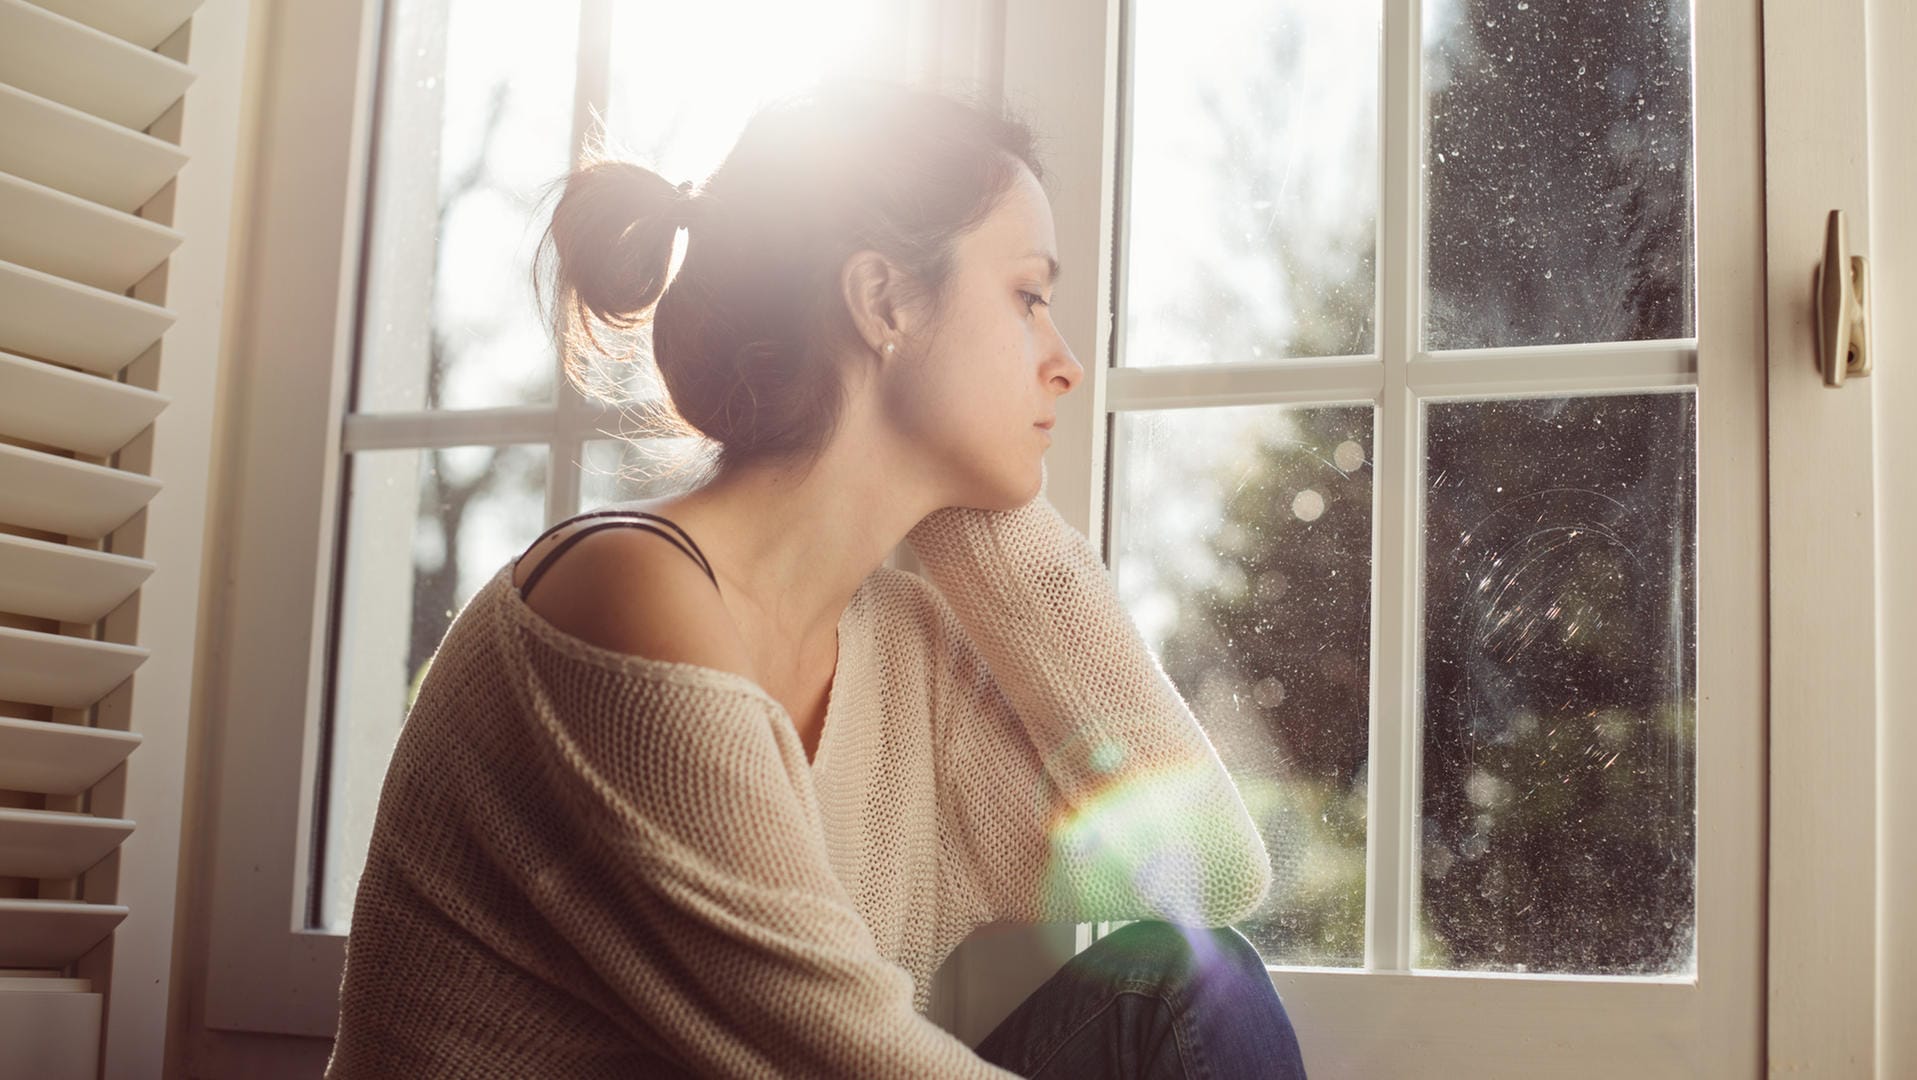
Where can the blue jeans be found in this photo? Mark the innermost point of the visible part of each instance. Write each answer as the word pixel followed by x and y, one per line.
pixel 1152 1000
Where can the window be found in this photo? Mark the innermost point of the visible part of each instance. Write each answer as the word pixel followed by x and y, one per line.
pixel 1252 410
pixel 1493 462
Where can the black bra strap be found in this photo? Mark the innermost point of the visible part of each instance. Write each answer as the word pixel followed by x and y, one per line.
pixel 637 519
pixel 700 555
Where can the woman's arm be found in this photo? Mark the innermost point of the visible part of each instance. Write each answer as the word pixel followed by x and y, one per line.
pixel 1079 784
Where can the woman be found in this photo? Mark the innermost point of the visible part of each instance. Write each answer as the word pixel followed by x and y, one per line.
pixel 722 807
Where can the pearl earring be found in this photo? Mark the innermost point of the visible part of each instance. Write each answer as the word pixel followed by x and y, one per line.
pixel 890 348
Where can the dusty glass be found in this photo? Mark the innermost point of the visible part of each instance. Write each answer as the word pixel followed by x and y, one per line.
pixel 426 529
pixel 1251 200
pixel 1557 173
pixel 475 123
pixel 1559 823
pixel 1242 548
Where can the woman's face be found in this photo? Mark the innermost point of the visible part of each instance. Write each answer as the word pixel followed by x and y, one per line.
pixel 974 388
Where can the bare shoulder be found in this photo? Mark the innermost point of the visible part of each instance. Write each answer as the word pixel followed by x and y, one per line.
pixel 635 592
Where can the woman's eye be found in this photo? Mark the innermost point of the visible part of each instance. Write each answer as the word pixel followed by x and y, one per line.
pixel 1030 299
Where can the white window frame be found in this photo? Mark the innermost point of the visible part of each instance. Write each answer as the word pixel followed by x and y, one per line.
pixel 264 972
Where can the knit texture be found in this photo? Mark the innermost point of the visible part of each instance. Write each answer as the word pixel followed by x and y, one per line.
pixel 591 864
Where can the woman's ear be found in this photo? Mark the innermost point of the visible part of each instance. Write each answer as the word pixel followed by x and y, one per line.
pixel 870 285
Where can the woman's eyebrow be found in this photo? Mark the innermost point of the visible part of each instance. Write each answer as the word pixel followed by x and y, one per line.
pixel 1051 264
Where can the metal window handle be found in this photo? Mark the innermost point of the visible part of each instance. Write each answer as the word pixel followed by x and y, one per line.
pixel 1842 301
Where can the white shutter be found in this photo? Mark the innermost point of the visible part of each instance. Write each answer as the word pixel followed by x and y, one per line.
pixel 83 249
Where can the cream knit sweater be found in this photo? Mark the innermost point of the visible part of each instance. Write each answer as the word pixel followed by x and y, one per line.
pixel 590 864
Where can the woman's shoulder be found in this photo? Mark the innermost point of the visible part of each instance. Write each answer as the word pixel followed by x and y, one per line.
pixel 631 592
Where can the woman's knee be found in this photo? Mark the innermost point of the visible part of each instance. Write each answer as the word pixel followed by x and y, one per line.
pixel 1169 952
pixel 1216 981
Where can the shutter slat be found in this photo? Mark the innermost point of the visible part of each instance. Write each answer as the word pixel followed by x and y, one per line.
pixel 37 980
pixel 61 670
pixel 60 581
pixel 39 490
pixel 58 759
pixel 72 410
pixel 59 146
pixel 69 323
pixel 53 933
pixel 48 54
pixel 64 582
pixel 145 23
pixel 48 844
pixel 70 237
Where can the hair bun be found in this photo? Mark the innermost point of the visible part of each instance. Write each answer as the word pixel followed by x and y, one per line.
pixel 612 233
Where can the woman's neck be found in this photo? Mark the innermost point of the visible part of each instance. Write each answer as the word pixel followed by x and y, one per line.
pixel 790 549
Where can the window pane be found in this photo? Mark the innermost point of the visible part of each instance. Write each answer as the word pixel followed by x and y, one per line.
pixel 1557 172
pixel 476 106
pixel 1560 685
pixel 1252 208
pixel 1242 547
pixel 630 470
pixel 425 529
pixel 685 79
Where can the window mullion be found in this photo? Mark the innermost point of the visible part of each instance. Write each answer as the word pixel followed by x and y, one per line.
pixel 440 429
pixel 1594 367
pixel 1317 380
pixel 1391 858
pixel 1581 369
pixel 592 87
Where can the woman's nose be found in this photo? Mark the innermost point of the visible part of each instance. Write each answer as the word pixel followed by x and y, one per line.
pixel 1065 367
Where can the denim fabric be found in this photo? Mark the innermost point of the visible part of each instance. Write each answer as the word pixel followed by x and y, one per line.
pixel 1153 999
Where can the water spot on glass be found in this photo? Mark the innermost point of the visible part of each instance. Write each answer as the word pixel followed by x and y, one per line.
pixel 1308 505
pixel 1268 692
pixel 1485 790
pixel 1348 456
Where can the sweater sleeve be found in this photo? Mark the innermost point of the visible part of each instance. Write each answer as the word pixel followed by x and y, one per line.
pixel 1077 781
pixel 686 867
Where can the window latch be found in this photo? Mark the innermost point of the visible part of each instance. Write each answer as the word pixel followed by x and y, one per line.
pixel 1842 301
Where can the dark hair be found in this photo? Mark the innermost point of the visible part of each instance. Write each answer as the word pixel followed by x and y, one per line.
pixel 746 333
